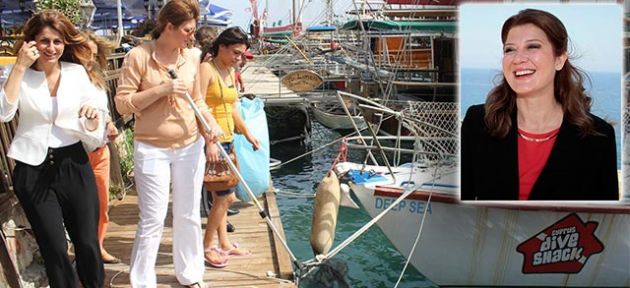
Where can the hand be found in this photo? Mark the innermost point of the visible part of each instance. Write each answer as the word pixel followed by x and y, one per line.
pixel 91 114
pixel 27 55
pixel 252 139
pixel 215 130
pixel 112 131
pixel 175 86
pixel 212 152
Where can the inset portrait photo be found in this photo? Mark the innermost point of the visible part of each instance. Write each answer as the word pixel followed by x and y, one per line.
pixel 540 100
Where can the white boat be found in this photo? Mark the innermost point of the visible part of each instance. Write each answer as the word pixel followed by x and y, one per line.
pixel 496 244
pixel 336 119
pixel 485 243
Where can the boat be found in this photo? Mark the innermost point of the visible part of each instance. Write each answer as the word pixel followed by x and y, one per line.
pixel 288 123
pixel 495 244
pixel 490 243
pixel 333 117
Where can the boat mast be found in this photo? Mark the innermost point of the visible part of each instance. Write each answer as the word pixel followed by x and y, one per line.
pixel 329 13
pixel 293 12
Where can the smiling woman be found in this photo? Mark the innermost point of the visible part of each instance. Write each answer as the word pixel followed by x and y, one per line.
pixel 52 177
pixel 535 138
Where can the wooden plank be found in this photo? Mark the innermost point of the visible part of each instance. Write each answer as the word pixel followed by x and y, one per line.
pixel 8 267
pixel 246 271
pixel 285 270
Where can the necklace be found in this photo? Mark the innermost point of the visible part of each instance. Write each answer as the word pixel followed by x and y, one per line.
pixel 537 140
pixel 223 71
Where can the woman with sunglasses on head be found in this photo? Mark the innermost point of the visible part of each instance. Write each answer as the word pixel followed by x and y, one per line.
pixel 535 138
pixel 52 178
pixel 219 87
pixel 168 143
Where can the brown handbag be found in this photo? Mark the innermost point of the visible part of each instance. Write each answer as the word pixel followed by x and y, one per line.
pixel 219 176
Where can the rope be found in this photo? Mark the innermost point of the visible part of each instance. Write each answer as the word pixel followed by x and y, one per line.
pixel 415 243
pixel 320 148
pixel 272 278
pixel 294 194
pixel 342 155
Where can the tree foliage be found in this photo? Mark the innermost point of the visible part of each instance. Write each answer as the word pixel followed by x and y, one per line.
pixel 70 8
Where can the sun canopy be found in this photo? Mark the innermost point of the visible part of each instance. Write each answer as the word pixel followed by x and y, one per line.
pixel 403 26
pixel 105 16
pixel 321 28
pixel 214 15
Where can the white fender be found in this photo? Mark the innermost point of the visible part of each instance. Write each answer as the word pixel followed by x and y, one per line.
pixel 325 214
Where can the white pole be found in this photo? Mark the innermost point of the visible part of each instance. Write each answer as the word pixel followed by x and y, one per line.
pixel 120 22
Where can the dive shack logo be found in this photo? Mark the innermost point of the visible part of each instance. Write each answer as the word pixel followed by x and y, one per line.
pixel 563 247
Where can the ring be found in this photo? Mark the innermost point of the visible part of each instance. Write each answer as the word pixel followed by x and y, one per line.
pixel 34 53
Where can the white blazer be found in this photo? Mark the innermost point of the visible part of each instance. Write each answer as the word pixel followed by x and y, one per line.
pixel 30 144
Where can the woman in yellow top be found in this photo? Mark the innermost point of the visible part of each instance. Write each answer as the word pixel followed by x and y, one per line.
pixel 217 84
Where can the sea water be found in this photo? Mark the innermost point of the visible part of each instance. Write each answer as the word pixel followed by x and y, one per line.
pixel 372 260
pixel 604 89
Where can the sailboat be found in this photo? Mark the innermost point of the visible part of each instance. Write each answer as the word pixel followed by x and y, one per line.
pixel 487 243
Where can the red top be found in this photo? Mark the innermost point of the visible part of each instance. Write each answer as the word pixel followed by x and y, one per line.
pixel 533 152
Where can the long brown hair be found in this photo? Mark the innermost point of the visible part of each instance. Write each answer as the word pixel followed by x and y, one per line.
pixel 76 49
pixel 99 62
pixel 568 88
pixel 175 12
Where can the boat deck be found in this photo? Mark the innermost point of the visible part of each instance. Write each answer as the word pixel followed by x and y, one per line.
pixel 268 255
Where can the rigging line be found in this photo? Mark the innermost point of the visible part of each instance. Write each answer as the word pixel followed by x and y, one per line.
pixel 267 63
pixel 320 148
pixel 370 54
pixel 365 227
pixel 424 215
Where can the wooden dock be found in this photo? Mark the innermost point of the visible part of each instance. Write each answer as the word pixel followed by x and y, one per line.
pixel 262 82
pixel 268 255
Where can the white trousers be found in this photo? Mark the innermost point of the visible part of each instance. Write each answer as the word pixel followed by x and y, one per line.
pixel 155 168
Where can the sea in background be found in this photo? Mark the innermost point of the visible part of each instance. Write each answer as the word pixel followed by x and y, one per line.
pixel 372 260
pixel 605 92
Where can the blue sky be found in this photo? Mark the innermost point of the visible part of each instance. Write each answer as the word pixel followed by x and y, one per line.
pixel 595 31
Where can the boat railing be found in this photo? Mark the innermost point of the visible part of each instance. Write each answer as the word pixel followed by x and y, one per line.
pixel 433 129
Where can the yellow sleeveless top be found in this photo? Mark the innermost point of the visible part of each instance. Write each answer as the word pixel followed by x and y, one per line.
pixel 220 97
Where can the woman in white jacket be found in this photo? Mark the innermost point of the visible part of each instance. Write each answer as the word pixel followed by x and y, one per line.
pixel 52 178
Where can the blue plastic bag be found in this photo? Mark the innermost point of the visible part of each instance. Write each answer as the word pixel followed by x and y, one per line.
pixel 253 165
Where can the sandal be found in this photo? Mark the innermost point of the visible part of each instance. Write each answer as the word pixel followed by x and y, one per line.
pixel 196 285
pixel 215 264
pixel 232 251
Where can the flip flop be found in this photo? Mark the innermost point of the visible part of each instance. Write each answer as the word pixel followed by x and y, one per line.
pixel 215 264
pixel 231 251
pixel 196 285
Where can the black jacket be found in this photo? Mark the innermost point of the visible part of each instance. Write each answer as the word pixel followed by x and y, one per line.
pixel 578 168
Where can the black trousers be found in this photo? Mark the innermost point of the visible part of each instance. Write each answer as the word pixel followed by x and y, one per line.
pixel 62 190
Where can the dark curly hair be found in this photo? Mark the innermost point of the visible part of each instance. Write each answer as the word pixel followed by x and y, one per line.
pixel 229 36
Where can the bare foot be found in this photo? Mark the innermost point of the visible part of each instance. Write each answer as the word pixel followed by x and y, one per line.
pixel 108 258
pixel 235 250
